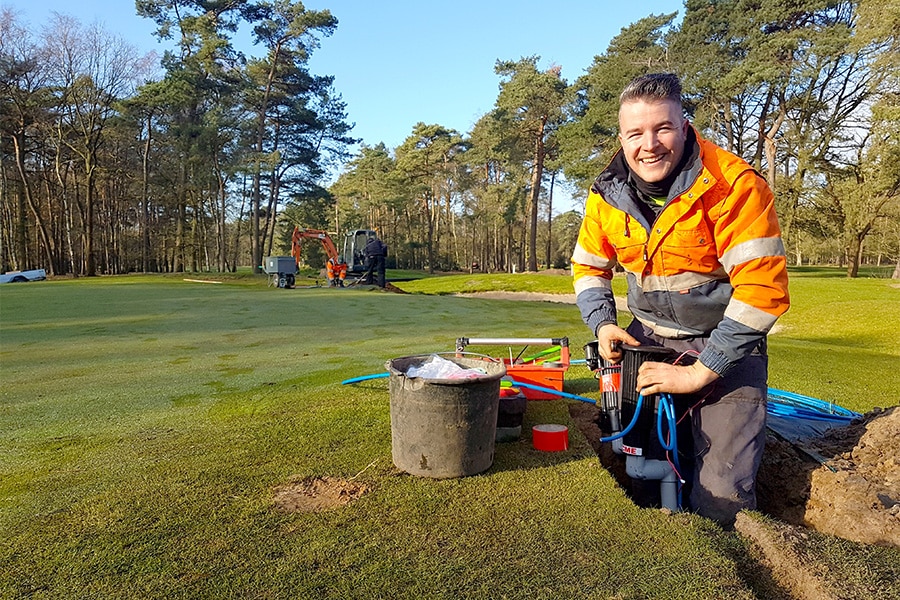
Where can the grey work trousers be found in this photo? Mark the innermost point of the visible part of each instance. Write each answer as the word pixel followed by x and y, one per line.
pixel 728 430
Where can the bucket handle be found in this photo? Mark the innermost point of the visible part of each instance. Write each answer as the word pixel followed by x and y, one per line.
pixel 487 357
pixel 385 374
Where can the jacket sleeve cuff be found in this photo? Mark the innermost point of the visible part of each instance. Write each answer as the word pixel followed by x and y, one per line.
pixel 600 317
pixel 715 361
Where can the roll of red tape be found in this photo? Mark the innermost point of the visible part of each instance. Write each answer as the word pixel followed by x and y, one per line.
pixel 550 437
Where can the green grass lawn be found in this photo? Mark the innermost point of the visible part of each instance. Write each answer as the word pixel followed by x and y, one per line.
pixel 145 420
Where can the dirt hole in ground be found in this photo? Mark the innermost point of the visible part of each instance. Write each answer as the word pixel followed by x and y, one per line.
pixel 316 494
pixel 845 483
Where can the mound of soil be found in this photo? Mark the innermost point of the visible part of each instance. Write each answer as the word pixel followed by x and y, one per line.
pixel 315 494
pixel 390 287
pixel 846 483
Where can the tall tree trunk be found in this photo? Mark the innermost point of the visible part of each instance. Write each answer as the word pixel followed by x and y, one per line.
pixel 222 200
pixel 271 212
pixel 21 237
pixel 255 246
pixel 180 215
pixel 537 174
pixel 547 262
pixel 426 202
pixel 195 236
pixel 729 128
pixel 788 212
pixel 771 149
pixel 90 262
pixel 853 254
pixel 26 195
pixel 256 243
pixel 145 199
pixel 763 137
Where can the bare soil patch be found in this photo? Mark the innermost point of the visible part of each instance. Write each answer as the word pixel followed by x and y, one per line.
pixel 316 494
pixel 846 483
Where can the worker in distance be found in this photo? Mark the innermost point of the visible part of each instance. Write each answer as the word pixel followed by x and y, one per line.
pixel 376 254
pixel 336 271
pixel 694 228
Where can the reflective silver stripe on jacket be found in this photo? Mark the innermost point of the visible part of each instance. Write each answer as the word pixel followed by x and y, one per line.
pixel 664 331
pixel 679 282
pixel 752 249
pixel 590 282
pixel 750 316
pixel 583 257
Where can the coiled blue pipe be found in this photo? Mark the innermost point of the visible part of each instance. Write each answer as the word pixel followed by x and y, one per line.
pixel 795 406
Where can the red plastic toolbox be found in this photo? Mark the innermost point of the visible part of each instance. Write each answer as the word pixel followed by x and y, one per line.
pixel 549 374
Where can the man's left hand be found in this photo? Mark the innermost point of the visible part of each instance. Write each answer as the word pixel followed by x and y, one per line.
pixel 657 377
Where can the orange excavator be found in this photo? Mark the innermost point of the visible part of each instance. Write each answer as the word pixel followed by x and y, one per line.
pixel 336 265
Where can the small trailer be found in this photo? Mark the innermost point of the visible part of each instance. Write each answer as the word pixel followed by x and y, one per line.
pixel 23 276
pixel 282 270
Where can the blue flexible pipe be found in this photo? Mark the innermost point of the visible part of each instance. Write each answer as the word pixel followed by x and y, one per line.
pixel 550 391
pixel 637 412
pixel 666 409
pixel 512 381
pixel 365 378
pixel 791 405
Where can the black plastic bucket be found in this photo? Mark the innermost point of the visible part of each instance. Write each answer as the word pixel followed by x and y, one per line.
pixel 443 428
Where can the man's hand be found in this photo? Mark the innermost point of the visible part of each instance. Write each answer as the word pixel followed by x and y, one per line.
pixel 609 339
pixel 656 378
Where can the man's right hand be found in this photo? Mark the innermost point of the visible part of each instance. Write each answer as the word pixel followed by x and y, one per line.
pixel 610 337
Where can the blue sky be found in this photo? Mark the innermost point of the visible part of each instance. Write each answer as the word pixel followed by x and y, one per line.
pixel 403 61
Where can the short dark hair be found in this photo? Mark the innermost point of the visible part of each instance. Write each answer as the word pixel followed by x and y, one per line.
pixel 654 86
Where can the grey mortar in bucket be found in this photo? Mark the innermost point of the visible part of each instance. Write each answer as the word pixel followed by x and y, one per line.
pixel 442 428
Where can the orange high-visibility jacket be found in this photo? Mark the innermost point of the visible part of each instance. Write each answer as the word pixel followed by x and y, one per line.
pixel 711 264
pixel 335 269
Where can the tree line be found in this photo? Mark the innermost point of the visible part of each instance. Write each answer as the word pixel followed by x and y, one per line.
pixel 106 169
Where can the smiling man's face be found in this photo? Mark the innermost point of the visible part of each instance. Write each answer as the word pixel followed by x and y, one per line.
pixel 653 135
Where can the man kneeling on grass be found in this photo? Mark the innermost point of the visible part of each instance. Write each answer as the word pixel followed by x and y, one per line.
pixel 694 228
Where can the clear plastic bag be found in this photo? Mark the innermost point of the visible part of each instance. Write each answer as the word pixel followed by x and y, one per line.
pixel 437 367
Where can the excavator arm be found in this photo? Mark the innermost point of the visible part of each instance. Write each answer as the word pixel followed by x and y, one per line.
pixel 300 235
